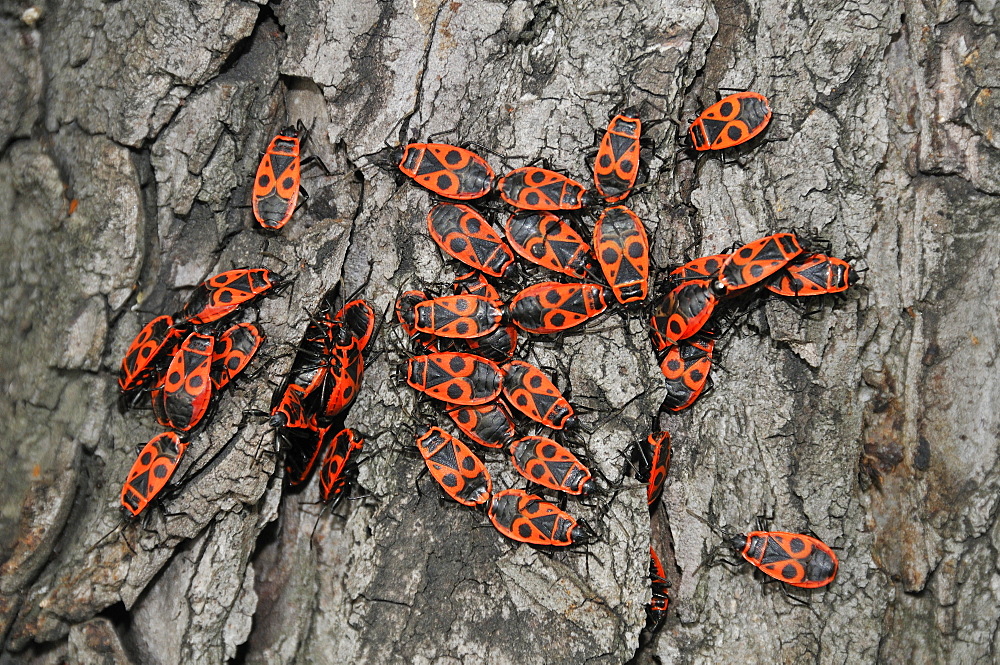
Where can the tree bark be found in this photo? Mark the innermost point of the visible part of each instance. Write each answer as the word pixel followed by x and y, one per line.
pixel 128 140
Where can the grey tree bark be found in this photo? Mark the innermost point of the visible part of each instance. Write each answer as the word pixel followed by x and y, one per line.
pixel 128 139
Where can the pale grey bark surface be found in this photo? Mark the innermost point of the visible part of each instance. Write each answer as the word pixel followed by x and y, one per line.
pixel 873 423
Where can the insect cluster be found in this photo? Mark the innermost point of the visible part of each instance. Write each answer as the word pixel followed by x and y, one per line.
pixel 470 345
pixel 182 361
pixel 468 341
pixel 309 408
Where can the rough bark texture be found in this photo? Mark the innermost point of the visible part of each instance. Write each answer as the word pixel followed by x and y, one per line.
pixel 128 135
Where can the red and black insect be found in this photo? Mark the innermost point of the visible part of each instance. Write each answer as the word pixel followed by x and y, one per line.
pixel 527 518
pixel 650 463
pixel 345 368
pixel 682 312
pixel 549 464
pixel 488 424
pixel 793 558
pixel 461 474
pixel 456 378
pixel 149 353
pixel 656 611
pixel 464 234
pixel 706 267
pixel 731 121
pixel 301 447
pixel 355 319
pixel 404 314
pixel 473 283
pixel 549 307
pixel 816 275
pixel 531 392
pixel 623 252
pixel 446 170
pixel 461 316
pixel 757 260
pixel 234 349
pixel 546 240
pixel 183 398
pixel 292 406
pixel 221 295
pixel 499 345
pixel 341 451
pixel 276 185
pixel 616 166
pixel 532 188
pixel 686 367
pixel 151 471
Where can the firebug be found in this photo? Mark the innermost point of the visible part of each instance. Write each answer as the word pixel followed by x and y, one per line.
pixel 686 367
pixel 488 424
pixel 149 353
pixel 461 474
pixel 527 518
pixel 546 240
pixel 815 275
pixel 222 294
pixel 151 471
pixel 446 170
pixel 793 558
pixel 758 260
pixel 623 252
pixel 550 464
pixel 531 392
pixel 616 166
pixel 456 378
pixel 549 307
pixel 464 234
pixel 731 121
pixel 183 399
pixel 532 188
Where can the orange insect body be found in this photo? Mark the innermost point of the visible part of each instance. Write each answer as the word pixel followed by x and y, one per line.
pixel 793 558
pixel 549 307
pixel 224 293
pixel 151 471
pixel 817 275
pixel 464 234
pixel 148 352
pixel 682 312
pixel 758 260
pixel 656 611
pixel 731 121
pixel 234 349
pixel 462 316
pixel 446 170
pixel 623 252
pixel 544 461
pixel 532 188
pixel 461 474
pixel 456 378
pixel 686 367
pixel 341 448
pixel 651 462
pixel 532 393
pixel 345 368
pixel 527 518
pixel 488 424
pixel 616 166
pixel 276 185
pixel 183 399
pixel 546 240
